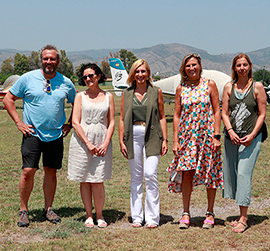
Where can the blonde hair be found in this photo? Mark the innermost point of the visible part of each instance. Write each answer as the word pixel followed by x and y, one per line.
pixel 131 80
pixel 184 76
pixel 234 73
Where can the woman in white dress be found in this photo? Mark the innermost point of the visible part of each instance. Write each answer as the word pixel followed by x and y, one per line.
pixel 90 151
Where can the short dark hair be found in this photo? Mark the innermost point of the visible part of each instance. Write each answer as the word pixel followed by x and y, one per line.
pixel 93 67
pixel 50 47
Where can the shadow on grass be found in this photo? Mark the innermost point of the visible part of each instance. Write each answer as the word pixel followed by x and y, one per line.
pixel 169 118
pixel 164 219
pixel 37 214
pixel 252 219
pixel 110 216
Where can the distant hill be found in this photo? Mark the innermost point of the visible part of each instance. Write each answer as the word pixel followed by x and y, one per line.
pixel 164 59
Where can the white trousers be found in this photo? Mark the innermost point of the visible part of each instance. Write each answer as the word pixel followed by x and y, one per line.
pixel 143 167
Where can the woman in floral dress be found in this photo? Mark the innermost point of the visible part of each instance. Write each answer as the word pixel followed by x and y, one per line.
pixel 196 138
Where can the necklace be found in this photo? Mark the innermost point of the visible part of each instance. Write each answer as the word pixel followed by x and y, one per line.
pixel 194 83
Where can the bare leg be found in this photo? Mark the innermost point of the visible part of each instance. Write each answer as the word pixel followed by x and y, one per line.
pixel 49 186
pixel 187 177
pixel 99 198
pixel 86 195
pixel 243 214
pixel 241 225
pixel 26 185
pixel 211 195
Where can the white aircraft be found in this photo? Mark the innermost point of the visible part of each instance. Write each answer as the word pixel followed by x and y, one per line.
pixel 168 85
pixel 7 85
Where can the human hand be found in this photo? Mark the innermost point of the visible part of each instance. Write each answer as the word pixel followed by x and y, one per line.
pixel 101 151
pixel 25 129
pixel 164 148
pixel 65 130
pixel 92 148
pixel 216 145
pixel 246 141
pixel 176 148
pixel 234 137
pixel 123 150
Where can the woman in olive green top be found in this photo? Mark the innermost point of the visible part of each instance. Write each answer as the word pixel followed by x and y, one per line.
pixel 142 138
pixel 243 113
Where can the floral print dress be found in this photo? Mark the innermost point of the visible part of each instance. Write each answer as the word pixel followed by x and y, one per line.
pixel 196 131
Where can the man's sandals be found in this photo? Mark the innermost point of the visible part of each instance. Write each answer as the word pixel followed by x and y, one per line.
pixel 208 224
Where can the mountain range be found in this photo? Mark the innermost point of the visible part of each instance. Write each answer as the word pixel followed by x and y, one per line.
pixel 164 59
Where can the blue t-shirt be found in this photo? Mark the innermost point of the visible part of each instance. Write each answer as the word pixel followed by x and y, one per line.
pixel 45 111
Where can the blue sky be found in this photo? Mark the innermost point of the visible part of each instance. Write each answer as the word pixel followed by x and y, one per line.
pixel 227 26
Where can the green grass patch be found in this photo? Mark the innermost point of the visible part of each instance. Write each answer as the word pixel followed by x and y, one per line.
pixel 71 234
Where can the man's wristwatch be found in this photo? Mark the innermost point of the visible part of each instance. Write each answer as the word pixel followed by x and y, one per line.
pixel 69 124
pixel 217 136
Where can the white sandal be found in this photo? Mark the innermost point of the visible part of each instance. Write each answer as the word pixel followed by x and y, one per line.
pixel 89 222
pixel 102 223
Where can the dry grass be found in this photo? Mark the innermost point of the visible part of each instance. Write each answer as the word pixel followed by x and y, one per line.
pixel 71 234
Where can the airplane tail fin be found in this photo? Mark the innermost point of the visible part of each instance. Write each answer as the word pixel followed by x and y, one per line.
pixel 119 75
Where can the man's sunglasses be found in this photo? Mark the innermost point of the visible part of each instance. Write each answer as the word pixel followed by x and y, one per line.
pixel 47 85
pixel 88 76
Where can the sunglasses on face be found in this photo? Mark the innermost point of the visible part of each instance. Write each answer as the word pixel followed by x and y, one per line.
pixel 47 85
pixel 88 76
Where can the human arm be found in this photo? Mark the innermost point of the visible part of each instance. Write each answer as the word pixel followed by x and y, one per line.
pixel 163 123
pixel 213 92
pixel 102 149
pixel 76 120
pixel 226 112
pixel 123 147
pixel 260 96
pixel 9 102
pixel 176 120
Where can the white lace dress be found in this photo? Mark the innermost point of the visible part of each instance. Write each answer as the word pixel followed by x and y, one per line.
pixel 83 166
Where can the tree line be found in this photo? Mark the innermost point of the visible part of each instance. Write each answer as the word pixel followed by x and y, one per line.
pixel 21 64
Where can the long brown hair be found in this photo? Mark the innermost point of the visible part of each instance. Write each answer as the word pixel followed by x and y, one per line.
pixel 234 73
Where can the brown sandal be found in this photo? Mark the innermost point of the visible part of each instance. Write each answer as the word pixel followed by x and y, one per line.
pixel 240 227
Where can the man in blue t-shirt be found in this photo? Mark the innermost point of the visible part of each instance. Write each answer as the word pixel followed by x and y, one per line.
pixel 44 92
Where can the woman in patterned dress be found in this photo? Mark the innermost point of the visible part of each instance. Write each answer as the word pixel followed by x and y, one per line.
pixel 196 138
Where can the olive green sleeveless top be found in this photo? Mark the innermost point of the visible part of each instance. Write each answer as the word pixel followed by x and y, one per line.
pixel 244 111
pixel 139 108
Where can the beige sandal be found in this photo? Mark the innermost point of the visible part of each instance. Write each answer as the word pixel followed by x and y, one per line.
pixel 240 227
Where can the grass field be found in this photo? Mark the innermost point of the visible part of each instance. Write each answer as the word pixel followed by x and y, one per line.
pixel 71 234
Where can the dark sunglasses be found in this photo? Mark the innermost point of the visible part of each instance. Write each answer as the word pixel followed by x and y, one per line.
pixel 47 85
pixel 88 76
